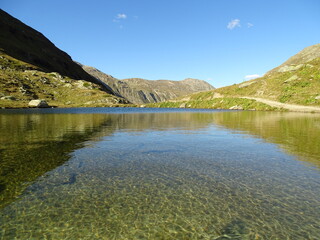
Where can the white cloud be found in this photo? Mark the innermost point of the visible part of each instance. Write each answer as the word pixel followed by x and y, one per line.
pixel 121 16
pixel 251 76
pixel 233 23
pixel 249 25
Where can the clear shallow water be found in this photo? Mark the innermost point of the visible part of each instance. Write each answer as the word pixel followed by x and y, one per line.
pixel 126 174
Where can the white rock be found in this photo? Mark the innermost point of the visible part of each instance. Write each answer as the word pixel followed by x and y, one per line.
pixel 38 103
pixel 183 105
pixel 246 84
pixel 292 78
pixel 290 68
pixel 236 107
pixel 8 98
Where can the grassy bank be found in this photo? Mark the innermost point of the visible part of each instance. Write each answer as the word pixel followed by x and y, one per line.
pixel 216 103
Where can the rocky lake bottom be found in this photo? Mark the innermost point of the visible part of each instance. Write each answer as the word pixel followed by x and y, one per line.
pixel 112 173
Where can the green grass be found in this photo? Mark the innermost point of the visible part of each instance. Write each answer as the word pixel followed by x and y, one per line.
pixel 216 103
pixel 301 86
pixel 26 82
pixel 302 89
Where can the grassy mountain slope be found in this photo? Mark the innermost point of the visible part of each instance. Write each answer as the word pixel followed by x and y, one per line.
pixel 28 45
pixel 21 82
pixel 297 81
pixel 141 91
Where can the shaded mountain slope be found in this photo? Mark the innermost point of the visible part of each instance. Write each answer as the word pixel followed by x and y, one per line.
pixel 28 45
pixel 21 82
pixel 140 91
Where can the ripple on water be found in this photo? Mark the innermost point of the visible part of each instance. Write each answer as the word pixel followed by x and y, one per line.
pixel 210 184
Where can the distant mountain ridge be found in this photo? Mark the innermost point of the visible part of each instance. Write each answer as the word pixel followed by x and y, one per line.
pixel 140 91
pixel 295 82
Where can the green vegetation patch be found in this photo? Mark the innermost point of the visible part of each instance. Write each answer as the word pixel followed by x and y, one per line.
pixel 300 86
pixel 217 103
pixel 21 82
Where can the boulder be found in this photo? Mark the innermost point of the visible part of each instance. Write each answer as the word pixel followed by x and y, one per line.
pixel 290 68
pixel 236 107
pixel 38 103
pixel 8 98
pixel 183 105
pixel 292 78
pixel 246 84
pixel 83 84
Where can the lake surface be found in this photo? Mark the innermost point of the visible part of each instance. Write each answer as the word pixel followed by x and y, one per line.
pixel 111 173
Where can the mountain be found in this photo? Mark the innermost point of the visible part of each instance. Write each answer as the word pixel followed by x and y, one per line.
pixel 295 62
pixel 140 91
pixel 30 46
pixel 296 81
pixel 31 67
pixel 21 82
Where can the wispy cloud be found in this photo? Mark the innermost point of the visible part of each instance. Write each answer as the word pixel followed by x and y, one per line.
pixel 121 16
pixel 251 76
pixel 249 25
pixel 119 19
pixel 233 23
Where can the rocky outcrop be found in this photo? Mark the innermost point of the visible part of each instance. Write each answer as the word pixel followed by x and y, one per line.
pixel 296 62
pixel 246 84
pixel 139 91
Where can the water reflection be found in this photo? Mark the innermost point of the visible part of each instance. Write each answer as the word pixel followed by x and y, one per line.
pixel 33 144
pixel 296 133
pixel 159 176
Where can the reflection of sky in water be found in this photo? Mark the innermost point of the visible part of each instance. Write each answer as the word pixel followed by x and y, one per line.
pixel 170 176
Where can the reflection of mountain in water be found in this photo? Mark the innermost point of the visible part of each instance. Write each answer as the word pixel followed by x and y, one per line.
pixel 33 144
pixel 297 133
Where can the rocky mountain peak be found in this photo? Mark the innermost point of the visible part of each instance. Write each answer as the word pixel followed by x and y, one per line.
pixel 140 91
pixel 297 61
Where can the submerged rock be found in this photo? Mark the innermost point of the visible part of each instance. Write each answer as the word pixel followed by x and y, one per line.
pixel 38 103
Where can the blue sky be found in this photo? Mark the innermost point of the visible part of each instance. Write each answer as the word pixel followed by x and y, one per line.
pixel 220 41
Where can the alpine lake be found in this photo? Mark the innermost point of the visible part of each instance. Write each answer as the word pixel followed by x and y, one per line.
pixel 139 173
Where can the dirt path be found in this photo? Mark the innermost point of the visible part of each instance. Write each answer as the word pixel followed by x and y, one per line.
pixel 290 107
